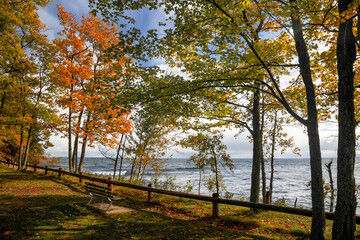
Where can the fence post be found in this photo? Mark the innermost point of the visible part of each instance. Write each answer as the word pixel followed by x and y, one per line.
pixel 110 185
pixel 60 169
pixel 35 169
pixel 80 177
pixel 150 193
pixel 46 170
pixel 215 208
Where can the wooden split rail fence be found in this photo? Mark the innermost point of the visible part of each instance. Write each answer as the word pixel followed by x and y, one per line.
pixel 214 199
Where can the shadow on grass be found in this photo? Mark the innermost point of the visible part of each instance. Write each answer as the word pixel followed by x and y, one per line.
pixel 21 215
pixel 10 176
pixel 67 217
pixel 63 217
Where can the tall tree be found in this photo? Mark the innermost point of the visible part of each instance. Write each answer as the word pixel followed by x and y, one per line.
pixel 23 108
pixel 344 224
pixel 89 79
pixel 148 143
pixel 275 139
pixel 317 190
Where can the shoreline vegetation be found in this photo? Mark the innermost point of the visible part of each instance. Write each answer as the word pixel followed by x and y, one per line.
pixel 35 206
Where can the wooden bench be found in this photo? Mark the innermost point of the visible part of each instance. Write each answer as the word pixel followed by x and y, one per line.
pixel 102 192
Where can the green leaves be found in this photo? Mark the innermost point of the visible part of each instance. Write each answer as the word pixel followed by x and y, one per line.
pixel 209 148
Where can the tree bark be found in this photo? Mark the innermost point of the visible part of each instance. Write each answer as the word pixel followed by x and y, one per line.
pixel 27 147
pixel 263 170
pixel 132 172
pixel 2 103
pixel 216 171
pixel 69 142
pixel 332 189
pixel 76 145
pixel 84 142
pixel 199 180
pixel 344 224
pixel 75 152
pixel 257 142
pixel 263 180
pixel 117 156
pixel 21 167
pixel 317 190
pixel 273 142
pixel 82 156
pixel 122 158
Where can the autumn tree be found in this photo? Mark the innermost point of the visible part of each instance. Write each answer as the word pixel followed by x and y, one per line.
pixel 344 224
pixel 88 79
pixel 24 65
pixel 275 139
pixel 210 151
pixel 147 145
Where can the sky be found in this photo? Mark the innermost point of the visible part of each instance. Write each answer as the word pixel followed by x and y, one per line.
pixel 238 147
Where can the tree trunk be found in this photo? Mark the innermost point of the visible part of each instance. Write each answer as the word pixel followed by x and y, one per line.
pixel 143 172
pixel 122 157
pixel 69 143
pixel 273 140
pixel 139 168
pixel 133 169
pixel 21 167
pixel 82 156
pixel 27 147
pixel 262 163
pixel 84 142
pixel 344 224
pixel 263 170
pixel 75 152
pixel 257 142
pixel 317 190
pixel 216 171
pixel 332 189
pixel 76 145
pixel 117 159
pixel 263 180
pixel 117 156
pixel 3 98
pixel 199 180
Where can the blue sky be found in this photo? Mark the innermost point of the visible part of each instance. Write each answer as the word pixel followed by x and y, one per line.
pixel 237 147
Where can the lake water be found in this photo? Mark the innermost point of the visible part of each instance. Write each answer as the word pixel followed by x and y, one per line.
pixel 290 178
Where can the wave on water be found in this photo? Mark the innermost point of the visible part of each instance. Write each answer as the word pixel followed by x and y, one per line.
pixel 109 173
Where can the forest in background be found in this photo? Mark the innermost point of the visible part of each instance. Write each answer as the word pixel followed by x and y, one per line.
pixel 90 85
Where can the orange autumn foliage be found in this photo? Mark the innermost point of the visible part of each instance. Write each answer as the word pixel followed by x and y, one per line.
pixel 87 77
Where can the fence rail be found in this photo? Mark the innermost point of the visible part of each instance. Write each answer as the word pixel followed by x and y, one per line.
pixel 214 199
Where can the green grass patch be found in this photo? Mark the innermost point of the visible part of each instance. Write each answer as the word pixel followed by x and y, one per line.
pixel 34 206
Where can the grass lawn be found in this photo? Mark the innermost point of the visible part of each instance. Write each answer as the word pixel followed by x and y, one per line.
pixel 34 206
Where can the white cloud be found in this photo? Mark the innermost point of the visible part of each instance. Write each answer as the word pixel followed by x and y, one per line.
pixel 48 14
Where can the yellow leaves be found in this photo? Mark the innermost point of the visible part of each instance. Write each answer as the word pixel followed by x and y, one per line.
pixel 350 12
